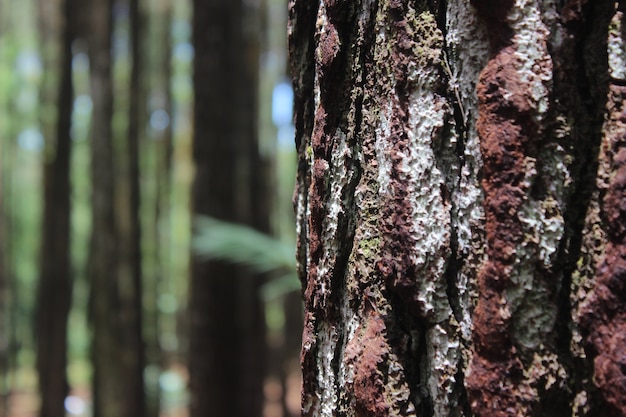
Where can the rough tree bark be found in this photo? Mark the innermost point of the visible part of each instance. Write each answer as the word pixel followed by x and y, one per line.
pixel 460 205
pixel 227 325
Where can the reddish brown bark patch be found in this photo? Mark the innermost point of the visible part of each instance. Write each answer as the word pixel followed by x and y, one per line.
pixel 367 351
pixel 493 388
pixel 604 324
pixel 507 132
pixel 328 46
pixel 604 317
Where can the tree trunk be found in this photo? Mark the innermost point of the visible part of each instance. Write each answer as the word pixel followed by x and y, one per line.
pixel 115 262
pixel 54 291
pixel 460 206
pixel 227 327
pixel 103 263
pixel 128 245
pixel 5 311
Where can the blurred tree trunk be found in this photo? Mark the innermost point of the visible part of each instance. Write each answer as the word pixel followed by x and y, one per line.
pixel 4 305
pixel 115 268
pixel 460 205
pixel 227 328
pixel 163 148
pixel 165 280
pixel 55 283
pixel 102 268
pixel 128 240
pixel 155 159
pixel 5 309
pixel 7 331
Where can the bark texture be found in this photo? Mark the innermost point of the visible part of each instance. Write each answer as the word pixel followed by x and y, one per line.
pixel 460 206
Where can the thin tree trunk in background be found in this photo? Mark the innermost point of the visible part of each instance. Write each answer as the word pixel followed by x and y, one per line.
pixel 128 244
pixel 227 328
pixel 4 311
pixel 7 307
pixel 102 269
pixel 55 282
pixel 115 265
pixel 156 159
pixel 4 305
pixel 163 174
pixel 460 205
pixel 256 166
pixel 152 44
pixel 9 131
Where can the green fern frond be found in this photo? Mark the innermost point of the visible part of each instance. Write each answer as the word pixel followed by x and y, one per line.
pixel 281 286
pixel 219 240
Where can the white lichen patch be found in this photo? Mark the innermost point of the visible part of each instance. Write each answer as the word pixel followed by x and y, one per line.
pixel 617 47
pixel 467 54
pixel 534 63
pixel 430 215
pixel 528 298
pixel 327 337
pixel 340 176
pixel 430 219
pixel 443 353
pixel 383 132
pixel 544 226
pixel 350 322
pixel 555 173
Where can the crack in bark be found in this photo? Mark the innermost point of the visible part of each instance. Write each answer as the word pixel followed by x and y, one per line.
pixel 603 318
pixel 574 92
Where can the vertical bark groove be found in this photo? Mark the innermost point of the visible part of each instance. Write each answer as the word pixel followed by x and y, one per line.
pixel 603 317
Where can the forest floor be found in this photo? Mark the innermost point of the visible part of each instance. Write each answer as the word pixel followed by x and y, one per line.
pixel 24 401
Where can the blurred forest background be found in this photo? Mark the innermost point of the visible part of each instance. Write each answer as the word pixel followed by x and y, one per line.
pixel 146 226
